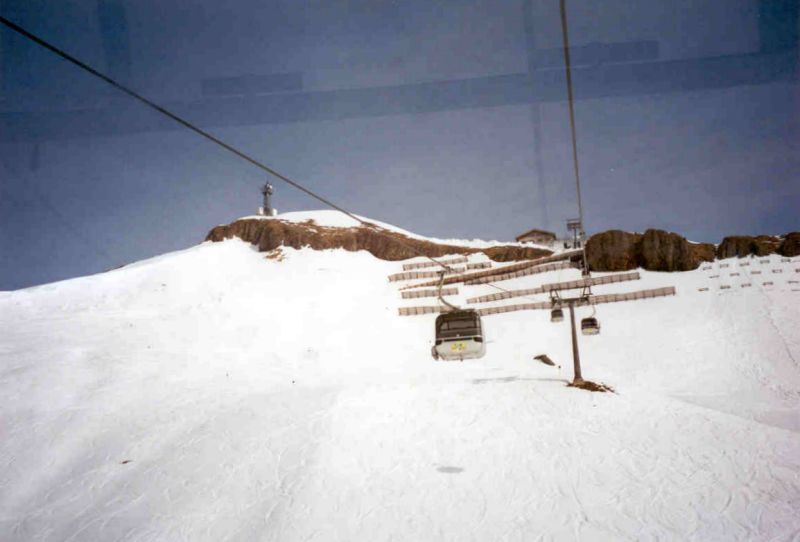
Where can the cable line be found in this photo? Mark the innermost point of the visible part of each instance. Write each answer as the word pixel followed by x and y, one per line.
pixel 66 56
pixel 568 70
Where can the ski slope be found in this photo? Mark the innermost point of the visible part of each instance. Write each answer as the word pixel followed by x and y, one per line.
pixel 216 394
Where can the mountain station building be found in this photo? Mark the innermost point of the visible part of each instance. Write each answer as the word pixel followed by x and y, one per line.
pixel 538 237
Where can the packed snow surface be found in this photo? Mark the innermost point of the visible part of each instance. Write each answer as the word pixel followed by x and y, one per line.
pixel 215 394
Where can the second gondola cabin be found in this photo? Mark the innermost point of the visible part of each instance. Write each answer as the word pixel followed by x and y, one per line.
pixel 590 326
pixel 459 336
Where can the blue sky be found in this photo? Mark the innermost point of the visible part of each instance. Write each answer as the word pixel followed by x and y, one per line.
pixel 448 119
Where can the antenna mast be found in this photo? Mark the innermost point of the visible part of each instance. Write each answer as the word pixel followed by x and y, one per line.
pixel 267 210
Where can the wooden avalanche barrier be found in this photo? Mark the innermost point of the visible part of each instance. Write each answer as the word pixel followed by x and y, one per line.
pixel 593 281
pixel 632 296
pixel 521 273
pixel 512 308
pixel 416 311
pixel 410 275
pixel 546 305
pixel 592 300
pixel 413 294
pixel 545 288
pixel 421 265
pixel 499 271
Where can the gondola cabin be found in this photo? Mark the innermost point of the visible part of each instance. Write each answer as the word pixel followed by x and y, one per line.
pixel 590 326
pixel 459 336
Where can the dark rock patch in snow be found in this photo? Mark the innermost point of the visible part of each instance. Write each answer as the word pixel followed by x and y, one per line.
pixel 271 234
pixel 658 250
pixel 613 250
pixel 655 250
pixel 746 245
pixel 741 246
pixel 791 244
pixel 588 385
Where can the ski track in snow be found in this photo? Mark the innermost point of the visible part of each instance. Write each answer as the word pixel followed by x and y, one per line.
pixel 211 394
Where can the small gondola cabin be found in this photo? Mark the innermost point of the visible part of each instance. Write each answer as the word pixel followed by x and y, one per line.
pixel 459 336
pixel 590 326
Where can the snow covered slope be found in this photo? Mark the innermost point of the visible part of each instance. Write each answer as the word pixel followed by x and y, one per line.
pixel 215 394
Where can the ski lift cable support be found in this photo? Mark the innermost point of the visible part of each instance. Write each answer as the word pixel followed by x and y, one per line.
pixel 439 293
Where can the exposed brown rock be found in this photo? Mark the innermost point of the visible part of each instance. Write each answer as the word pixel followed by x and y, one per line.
pixel 613 250
pixel 703 252
pixel 659 250
pixel 381 243
pixel 512 254
pixel 275 254
pixel 588 385
pixel 655 250
pixel 745 245
pixel 791 244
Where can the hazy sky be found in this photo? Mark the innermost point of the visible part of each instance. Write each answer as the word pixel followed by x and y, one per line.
pixel 446 118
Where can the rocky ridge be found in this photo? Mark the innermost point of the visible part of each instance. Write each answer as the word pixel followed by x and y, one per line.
pixel 380 242
pixel 613 250
pixel 658 250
